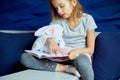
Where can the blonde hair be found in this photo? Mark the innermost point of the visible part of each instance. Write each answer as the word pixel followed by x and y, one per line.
pixel 77 11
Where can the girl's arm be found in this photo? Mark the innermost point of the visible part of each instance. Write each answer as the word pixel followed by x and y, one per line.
pixel 90 42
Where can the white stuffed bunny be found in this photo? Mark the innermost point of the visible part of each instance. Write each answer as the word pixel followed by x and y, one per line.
pixel 53 31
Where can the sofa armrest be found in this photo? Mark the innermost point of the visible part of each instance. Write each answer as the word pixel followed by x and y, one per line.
pixel 106 59
pixel 12 45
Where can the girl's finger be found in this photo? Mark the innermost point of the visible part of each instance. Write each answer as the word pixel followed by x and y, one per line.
pixel 57 51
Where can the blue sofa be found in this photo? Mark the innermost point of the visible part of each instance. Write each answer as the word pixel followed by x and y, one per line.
pixel 31 14
pixel 12 45
pixel 106 61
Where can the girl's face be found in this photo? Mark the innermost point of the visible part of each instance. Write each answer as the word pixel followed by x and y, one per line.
pixel 64 7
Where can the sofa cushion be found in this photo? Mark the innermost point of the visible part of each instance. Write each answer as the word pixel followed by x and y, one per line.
pixel 106 59
pixel 11 48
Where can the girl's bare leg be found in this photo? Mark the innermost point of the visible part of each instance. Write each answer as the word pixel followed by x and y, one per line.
pixel 61 68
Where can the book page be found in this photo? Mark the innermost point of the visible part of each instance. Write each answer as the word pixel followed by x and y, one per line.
pixel 44 54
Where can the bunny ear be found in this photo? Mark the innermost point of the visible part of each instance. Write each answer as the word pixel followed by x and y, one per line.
pixel 59 27
pixel 50 31
pixel 44 29
pixel 41 31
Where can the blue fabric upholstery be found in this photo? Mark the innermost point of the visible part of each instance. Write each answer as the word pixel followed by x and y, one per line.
pixel 105 12
pixel 106 59
pixel 24 14
pixel 32 14
pixel 11 48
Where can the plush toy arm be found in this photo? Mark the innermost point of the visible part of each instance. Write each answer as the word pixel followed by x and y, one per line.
pixel 40 31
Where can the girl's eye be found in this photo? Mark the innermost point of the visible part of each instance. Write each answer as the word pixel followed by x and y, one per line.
pixel 62 6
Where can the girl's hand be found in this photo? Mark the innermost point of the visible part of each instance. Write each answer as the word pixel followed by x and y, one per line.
pixel 53 46
pixel 73 54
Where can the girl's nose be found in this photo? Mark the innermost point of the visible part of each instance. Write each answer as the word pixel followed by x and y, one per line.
pixel 59 11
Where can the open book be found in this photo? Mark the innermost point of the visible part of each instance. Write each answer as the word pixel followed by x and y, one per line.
pixel 60 57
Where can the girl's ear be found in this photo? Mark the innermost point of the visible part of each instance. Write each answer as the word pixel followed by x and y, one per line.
pixel 74 2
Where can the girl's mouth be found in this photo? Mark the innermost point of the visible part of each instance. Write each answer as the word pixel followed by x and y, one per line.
pixel 62 14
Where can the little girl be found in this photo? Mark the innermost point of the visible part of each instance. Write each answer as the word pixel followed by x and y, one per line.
pixel 78 33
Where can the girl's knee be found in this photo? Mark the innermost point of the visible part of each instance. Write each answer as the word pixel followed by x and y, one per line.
pixel 84 66
pixel 83 63
pixel 24 56
pixel 25 59
pixel 83 59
